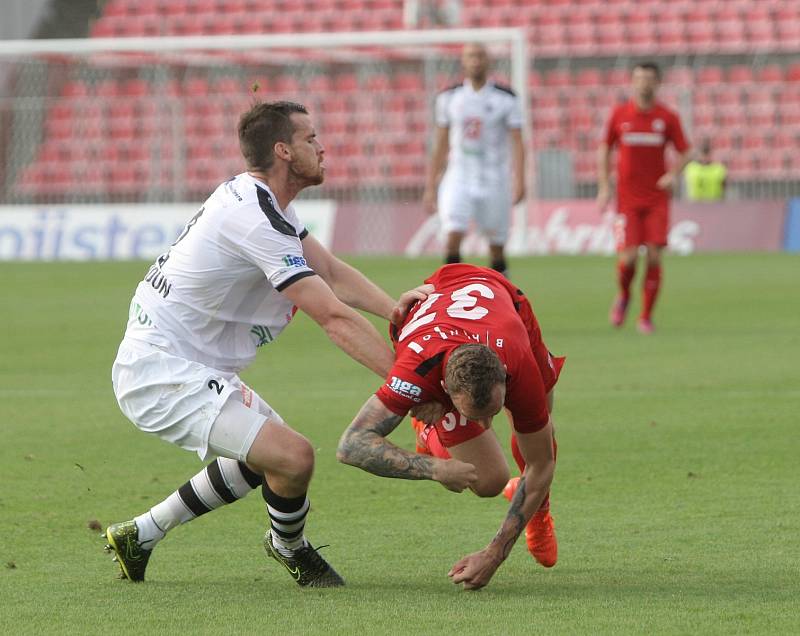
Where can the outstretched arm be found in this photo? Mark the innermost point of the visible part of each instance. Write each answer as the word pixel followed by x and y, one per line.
pixel 356 290
pixel 476 570
pixel 364 445
pixel 348 284
pixel 346 328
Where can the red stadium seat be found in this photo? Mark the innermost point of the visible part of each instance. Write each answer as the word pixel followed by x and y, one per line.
pixel 558 77
pixel 770 73
pixel 710 75
pixel 793 73
pixel 740 74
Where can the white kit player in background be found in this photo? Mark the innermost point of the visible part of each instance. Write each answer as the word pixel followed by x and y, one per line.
pixel 478 140
pixel 230 283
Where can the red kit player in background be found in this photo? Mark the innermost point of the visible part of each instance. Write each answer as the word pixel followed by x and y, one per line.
pixel 472 347
pixel 641 129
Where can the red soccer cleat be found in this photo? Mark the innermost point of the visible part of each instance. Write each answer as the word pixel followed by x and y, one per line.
pixel 616 316
pixel 645 326
pixel 421 429
pixel 511 488
pixel 540 533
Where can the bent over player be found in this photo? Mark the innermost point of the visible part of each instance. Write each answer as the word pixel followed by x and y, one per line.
pixel 474 346
pixel 229 284
pixel 641 128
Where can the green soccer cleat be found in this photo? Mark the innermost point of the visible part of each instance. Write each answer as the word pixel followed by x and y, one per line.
pixel 123 540
pixel 306 565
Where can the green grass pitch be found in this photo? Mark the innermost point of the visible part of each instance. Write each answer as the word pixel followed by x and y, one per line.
pixel 676 497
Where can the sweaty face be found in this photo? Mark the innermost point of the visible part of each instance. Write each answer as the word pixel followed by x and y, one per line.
pixel 463 402
pixel 645 82
pixel 307 153
pixel 475 61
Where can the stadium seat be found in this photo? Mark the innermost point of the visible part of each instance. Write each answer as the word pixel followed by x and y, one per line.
pixel 769 74
pixel 740 74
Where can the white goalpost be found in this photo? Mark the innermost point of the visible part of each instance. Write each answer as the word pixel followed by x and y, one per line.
pixel 152 120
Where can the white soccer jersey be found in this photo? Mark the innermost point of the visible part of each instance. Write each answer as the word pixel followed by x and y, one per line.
pixel 479 122
pixel 214 296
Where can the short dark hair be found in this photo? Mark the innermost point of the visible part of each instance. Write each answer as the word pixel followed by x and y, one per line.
pixel 261 127
pixel 474 369
pixel 650 66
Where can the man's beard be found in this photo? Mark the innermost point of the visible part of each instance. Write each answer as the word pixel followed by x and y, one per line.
pixel 305 179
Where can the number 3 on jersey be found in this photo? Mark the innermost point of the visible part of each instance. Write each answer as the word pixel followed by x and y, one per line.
pixel 464 306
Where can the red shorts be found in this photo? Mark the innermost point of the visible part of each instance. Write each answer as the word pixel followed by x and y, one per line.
pixel 455 429
pixel 642 225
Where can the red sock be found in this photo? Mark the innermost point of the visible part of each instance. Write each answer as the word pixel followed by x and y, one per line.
pixel 515 452
pixel 625 274
pixel 545 505
pixel 652 283
pixel 435 446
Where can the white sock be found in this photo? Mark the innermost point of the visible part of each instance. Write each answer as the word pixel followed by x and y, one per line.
pixel 287 549
pixel 149 532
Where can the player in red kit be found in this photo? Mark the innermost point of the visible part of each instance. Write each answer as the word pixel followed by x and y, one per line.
pixel 641 129
pixel 473 346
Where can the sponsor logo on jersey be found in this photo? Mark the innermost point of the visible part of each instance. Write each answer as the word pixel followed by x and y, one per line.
pixel 263 335
pixel 405 389
pixel 643 139
pixel 294 261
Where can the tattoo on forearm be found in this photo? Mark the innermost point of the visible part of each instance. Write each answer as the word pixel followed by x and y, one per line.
pixel 514 522
pixel 364 445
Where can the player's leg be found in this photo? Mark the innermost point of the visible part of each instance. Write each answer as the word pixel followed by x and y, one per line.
pixel 628 230
pixel 225 480
pixel 650 288
pixel 540 534
pixel 497 258
pixel 655 238
pixel 452 248
pixel 485 453
pixel 493 216
pixel 454 214
pixel 468 441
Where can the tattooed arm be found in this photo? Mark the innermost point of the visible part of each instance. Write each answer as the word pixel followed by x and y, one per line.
pixel 365 446
pixel 476 570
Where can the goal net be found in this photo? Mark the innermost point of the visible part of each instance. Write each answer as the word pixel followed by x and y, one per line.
pixel 153 120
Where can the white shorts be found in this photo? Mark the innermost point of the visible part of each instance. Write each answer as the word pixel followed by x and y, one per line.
pixel 186 403
pixel 490 209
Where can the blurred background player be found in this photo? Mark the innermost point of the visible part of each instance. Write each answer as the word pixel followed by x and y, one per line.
pixel 641 129
pixel 705 178
pixel 474 123
pixel 473 347
pixel 231 283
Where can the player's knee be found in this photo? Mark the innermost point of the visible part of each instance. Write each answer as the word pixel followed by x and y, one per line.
pixel 491 485
pixel 300 464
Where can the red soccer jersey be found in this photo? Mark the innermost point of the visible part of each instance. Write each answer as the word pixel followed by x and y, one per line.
pixel 469 304
pixel 642 137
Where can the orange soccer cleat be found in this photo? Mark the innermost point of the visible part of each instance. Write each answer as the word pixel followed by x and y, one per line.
pixel 645 326
pixel 421 429
pixel 616 315
pixel 540 533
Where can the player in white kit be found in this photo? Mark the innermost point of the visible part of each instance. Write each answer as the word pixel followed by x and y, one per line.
pixel 478 140
pixel 229 284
